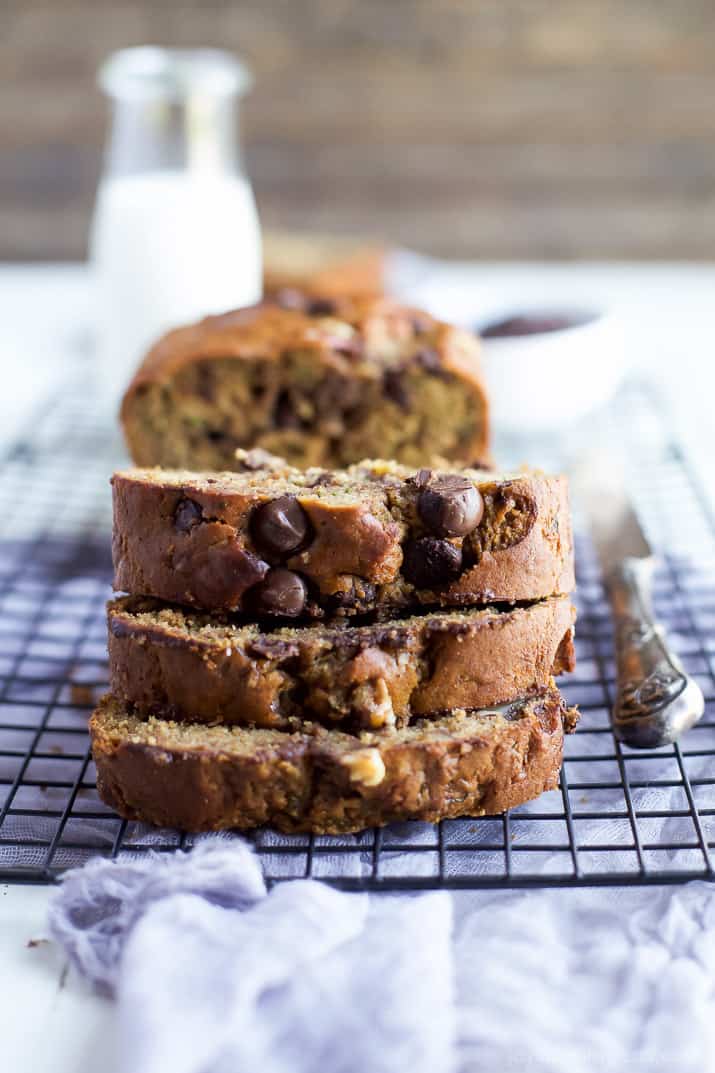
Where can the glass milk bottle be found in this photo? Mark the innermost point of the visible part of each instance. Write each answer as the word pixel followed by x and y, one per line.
pixel 175 233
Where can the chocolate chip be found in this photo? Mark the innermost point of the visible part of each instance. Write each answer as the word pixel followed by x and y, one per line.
pixel 321 307
pixel 430 562
pixel 395 388
pixel 187 515
pixel 221 574
pixel 280 593
pixel 450 506
pixel 206 384
pixel 428 359
pixel 284 415
pixel 215 435
pixel 337 393
pixel 280 526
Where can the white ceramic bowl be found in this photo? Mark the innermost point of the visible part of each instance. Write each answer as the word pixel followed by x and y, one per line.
pixel 545 379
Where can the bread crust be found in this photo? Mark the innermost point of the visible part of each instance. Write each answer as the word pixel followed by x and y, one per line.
pixel 360 527
pixel 198 778
pixel 324 265
pixel 374 351
pixel 188 667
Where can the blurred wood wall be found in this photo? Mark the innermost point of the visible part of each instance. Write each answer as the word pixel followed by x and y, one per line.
pixel 501 128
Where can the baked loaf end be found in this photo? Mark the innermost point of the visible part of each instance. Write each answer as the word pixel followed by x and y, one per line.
pixel 319 383
pixel 323 265
pixel 200 778
pixel 208 669
pixel 277 541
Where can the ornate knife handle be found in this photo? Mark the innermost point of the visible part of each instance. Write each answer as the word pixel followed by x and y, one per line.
pixel 655 699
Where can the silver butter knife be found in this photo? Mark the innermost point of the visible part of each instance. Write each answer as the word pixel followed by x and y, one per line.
pixel 655 699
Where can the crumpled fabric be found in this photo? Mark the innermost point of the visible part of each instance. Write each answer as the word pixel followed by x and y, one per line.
pixel 587 981
pixel 213 974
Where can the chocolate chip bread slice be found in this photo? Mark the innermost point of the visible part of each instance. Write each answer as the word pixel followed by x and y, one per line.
pixel 320 384
pixel 201 778
pixel 193 667
pixel 276 541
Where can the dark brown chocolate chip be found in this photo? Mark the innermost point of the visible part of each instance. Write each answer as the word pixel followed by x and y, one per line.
pixel 450 506
pixel 396 389
pixel 280 526
pixel 187 515
pixel 205 382
pixel 221 574
pixel 284 415
pixel 280 593
pixel 428 359
pixel 337 394
pixel 321 307
pixel 430 562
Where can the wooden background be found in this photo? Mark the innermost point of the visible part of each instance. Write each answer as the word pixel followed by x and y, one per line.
pixel 502 128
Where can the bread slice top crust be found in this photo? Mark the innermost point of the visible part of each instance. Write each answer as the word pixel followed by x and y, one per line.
pixel 363 334
pixel 375 536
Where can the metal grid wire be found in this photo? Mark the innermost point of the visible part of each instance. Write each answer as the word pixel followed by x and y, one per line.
pixel 619 816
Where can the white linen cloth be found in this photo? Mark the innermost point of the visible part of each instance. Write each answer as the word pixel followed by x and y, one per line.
pixel 214 975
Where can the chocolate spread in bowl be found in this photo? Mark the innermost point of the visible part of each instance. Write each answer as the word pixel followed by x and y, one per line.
pixel 534 324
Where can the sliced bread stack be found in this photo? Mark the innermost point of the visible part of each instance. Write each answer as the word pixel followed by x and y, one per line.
pixel 329 649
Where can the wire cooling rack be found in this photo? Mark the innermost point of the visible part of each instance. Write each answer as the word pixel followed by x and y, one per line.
pixel 619 816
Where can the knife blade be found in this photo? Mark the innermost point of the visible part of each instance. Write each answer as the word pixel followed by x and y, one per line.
pixel 655 700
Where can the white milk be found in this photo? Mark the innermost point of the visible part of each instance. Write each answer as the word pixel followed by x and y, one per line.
pixel 167 248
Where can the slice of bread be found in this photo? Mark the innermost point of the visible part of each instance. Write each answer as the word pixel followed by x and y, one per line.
pixel 194 667
pixel 200 778
pixel 276 541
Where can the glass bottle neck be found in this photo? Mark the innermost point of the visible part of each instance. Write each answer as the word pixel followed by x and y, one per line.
pixel 197 133
pixel 173 109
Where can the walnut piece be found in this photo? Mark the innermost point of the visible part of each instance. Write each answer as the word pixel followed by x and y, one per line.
pixel 366 766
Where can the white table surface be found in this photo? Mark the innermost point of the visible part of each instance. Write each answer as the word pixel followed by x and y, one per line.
pixel 48 1019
